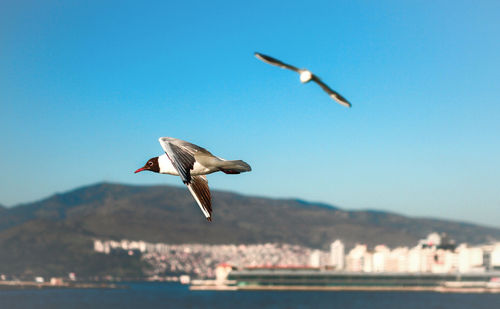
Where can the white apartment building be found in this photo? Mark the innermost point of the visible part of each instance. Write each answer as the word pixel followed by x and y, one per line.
pixel 337 255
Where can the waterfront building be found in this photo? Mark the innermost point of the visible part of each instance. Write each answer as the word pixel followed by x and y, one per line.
pixel 398 260
pixel 337 255
pixel 315 258
pixel 355 260
pixel 380 258
pixel 414 259
pixel 367 262
pixel 421 259
pixel 495 257
pixel 470 259
pixel 445 261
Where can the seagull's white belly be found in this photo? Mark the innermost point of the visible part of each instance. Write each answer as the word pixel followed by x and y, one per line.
pixel 199 169
pixel 166 167
pixel 305 76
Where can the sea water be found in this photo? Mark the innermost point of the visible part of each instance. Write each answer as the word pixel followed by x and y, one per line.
pixel 174 295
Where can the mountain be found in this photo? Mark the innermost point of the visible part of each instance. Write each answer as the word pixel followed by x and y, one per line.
pixel 54 235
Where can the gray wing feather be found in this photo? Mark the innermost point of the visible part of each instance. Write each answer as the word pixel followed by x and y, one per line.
pixel 181 160
pixel 182 155
pixel 201 193
pixel 333 94
pixel 186 146
pixel 276 62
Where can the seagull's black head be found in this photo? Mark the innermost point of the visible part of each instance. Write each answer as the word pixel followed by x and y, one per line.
pixel 152 165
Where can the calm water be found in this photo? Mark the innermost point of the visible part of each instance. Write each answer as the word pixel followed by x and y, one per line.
pixel 167 295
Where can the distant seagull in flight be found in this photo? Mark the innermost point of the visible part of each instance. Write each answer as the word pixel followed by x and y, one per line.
pixel 192 163
pixel 305 76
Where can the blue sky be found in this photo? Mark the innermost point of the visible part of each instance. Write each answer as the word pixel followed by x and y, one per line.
pixel 87 87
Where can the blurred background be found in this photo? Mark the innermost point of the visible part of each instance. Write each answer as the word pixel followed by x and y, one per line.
pixel 406 181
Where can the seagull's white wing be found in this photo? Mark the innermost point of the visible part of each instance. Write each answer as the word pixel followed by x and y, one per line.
pixel 333 94
pixel 274 61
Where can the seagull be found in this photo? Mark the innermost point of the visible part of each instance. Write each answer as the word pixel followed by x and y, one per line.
pixel 305 76
pixel 192 163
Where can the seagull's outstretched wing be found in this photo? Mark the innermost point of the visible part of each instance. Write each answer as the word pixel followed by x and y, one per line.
pixel 276 62
pixel 182 155
pixel 333 94
pixel 201 193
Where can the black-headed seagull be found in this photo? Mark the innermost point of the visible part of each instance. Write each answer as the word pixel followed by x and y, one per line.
pixel 192 163
pixel 305 76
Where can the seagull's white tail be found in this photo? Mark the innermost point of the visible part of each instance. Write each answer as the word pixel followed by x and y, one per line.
pixel 234 166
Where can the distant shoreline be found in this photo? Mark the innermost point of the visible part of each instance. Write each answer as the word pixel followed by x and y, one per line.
pixel 439 289
pixel 28 285
pixel 25 285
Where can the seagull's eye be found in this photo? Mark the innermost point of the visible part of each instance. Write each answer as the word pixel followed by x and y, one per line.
pixel 150 163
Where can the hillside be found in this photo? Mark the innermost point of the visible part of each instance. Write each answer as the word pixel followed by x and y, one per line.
pixel 55 235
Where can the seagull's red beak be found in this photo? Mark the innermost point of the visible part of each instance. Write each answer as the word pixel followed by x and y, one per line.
pixel 140 170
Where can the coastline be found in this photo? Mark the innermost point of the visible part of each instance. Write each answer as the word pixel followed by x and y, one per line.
pixel 208 286
pixel 438 289
pixel 25 285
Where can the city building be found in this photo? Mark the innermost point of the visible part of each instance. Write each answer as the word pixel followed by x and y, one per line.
pixel 355 260
pixel 337 255
pixel 495 257
pixel 436 254
pixel 315 259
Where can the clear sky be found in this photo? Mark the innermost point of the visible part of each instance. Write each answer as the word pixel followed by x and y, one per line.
pixel 87 87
